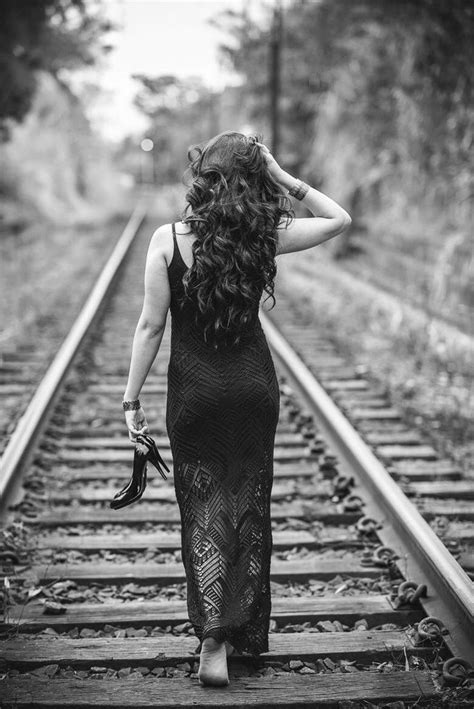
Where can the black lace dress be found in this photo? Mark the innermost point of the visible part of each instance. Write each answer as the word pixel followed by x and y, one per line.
pixel 221 418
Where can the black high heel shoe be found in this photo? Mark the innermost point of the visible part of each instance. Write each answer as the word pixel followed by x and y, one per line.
pixel 145 451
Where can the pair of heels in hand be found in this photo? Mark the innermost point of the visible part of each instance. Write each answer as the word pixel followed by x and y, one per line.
pixel 145 451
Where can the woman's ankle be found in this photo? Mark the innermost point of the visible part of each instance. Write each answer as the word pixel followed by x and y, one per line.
pixel 211 643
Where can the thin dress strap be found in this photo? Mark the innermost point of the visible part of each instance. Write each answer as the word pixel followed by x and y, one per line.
pixel 175 244
pixel 176 252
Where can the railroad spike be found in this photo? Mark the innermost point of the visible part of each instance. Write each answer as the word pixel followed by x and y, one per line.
pixel 353 503
pixel 430 630
pixel 367 525
pixel 458 672
pixel 409 594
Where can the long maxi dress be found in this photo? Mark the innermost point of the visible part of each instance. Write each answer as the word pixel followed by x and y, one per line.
pixel 221 417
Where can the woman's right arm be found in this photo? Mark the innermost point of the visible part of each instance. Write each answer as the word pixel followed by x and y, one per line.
pixel 329 220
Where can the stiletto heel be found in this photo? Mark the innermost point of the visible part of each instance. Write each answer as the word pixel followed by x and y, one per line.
pixel 145 450
pixel 154 455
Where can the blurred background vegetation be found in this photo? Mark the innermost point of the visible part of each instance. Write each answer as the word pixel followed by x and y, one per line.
pixel 53 164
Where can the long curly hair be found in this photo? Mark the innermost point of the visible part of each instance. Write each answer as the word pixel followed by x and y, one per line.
pixel 234 207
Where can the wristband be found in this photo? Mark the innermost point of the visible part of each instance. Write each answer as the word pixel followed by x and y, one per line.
pixel 299 190
pixel 133 405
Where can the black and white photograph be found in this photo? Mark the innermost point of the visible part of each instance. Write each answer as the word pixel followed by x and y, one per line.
pixel 236 354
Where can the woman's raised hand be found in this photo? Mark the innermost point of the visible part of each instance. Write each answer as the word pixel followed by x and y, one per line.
pixel 273 167
pixel 136 423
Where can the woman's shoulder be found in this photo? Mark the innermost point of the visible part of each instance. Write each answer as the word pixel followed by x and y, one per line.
pixel 162 239
pixel 161 243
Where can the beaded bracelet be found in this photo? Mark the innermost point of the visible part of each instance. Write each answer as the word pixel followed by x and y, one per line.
pixel 131 405
pixel 299 190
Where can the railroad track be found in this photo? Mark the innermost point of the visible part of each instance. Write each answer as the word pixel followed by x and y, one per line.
pixel 369 608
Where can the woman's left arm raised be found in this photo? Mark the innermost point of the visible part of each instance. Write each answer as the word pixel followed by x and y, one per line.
pixel 150 328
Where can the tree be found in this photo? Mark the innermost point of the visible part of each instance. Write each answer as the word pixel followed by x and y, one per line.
pixel 369 87
pixel 421 49
pixel 52 35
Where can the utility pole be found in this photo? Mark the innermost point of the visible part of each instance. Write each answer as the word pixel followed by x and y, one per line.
pixel 275 76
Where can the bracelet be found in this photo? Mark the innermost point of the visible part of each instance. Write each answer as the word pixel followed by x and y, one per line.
pixel 131 405
pixel 299 190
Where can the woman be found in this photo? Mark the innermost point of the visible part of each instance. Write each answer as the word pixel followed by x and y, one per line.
pixel 211 270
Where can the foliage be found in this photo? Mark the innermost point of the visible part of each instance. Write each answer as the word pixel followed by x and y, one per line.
pixel 65 177
pixel 52 35
pixel 396 77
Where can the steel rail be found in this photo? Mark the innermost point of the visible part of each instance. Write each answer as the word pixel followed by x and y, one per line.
pixel 447 581
pixel 33 420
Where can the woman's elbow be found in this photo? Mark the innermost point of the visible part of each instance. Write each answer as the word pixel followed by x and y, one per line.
pixel 344 223
pixel 151 328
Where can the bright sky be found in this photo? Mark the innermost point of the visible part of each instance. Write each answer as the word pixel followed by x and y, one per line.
pixel 157 37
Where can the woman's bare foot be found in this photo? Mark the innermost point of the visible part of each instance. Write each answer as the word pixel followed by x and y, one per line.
pixel 213 663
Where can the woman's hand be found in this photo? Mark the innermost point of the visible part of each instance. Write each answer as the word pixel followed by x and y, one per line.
pixel 273 167
pixel 136 423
